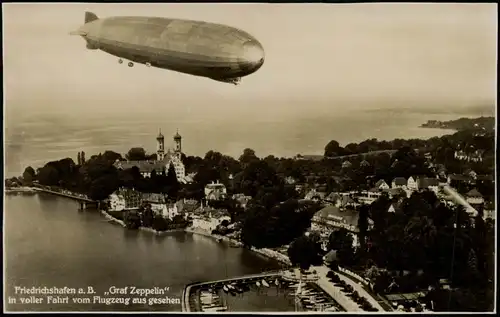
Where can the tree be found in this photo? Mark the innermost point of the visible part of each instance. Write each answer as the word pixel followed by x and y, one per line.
pixel 304 252
pixel 29 175
pixel 111 156
pixel 172 182
pixel 147 216
pixel 248 157
pixel 136 154
pixel 82 158
pixel 363 225
pixel 103 186
pixel 333 149
pixel 342 241
pixel 79 158
pixel 258 175
pixel 132 220
pixel 48 175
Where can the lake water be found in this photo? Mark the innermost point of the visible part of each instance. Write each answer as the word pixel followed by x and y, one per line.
pixel 32 139
pixel 49 243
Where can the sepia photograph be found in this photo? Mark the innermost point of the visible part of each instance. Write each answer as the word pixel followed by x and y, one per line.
pixel 249 157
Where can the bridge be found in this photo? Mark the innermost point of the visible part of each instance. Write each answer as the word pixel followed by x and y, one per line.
pixel 83 200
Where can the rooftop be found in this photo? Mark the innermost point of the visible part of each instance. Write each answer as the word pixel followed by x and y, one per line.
pixel 399 181
pixel 332 213
pixel 474 193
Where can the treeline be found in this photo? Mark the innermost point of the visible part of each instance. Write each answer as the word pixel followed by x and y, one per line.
pixel 463 139
pixel 98 178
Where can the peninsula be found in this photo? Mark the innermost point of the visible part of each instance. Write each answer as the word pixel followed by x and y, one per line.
pixel 481 123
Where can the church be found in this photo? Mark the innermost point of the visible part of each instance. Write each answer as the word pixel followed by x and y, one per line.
pixel 163 160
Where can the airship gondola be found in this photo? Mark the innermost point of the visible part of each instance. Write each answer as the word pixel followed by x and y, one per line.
pixel 198 48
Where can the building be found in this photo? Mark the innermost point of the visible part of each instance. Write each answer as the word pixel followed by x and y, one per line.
pixel 489 211
pixel 381 184
pixel 330 218
pixel 455 179
pixel 215 191
pixel 412 183
pixel 332 199
pixel 164 158
pixel 368 196
pixel 290 180
pixel 125 198
pixel 475 156
pixel 346 164
pixel 399 182
pixel 429 183
pixel 474 197
pixel 241 199
pixel 364 163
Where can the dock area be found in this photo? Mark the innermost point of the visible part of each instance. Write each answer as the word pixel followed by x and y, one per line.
pixel 263 292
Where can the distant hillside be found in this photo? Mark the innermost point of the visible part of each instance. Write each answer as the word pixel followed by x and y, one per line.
pixel 481 123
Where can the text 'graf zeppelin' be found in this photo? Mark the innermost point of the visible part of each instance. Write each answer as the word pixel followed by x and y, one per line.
pixel 114 295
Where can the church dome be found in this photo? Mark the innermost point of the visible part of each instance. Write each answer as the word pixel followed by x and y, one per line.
pixel 160 135
pixel 177 136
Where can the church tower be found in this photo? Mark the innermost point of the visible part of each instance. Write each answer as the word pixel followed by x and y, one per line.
pixel 160 150
pixel 178 144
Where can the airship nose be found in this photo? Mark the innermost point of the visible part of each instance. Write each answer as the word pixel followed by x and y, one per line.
pixel 252 56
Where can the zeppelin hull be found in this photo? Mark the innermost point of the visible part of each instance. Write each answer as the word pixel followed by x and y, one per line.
pixel 192 47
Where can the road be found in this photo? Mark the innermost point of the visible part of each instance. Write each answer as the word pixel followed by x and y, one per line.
pixel 459 199
pixel 336 292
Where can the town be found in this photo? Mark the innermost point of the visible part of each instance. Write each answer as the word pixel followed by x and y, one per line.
pixel 412 220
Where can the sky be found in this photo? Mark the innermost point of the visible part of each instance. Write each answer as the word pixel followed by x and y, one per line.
pixel 319 58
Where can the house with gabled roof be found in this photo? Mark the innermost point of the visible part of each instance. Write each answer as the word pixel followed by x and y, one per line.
pixel 346 201
pixel 381 184
pixel 332 199
pixel 364 163
pixel 346 164
pixel 412 183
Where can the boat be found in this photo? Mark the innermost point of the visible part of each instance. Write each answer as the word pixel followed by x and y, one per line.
pixel 276 282
pixel 265 283
pixel 225 289
pixel 257 283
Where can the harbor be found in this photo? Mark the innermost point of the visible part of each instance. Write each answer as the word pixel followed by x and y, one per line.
pixel 277 287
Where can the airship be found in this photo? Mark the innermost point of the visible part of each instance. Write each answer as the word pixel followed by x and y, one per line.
pixel 198 48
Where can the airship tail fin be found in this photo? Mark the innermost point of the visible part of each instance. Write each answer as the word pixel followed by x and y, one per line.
pixel 89 17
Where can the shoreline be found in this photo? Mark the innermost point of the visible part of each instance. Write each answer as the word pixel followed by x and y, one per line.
pixel 268 253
